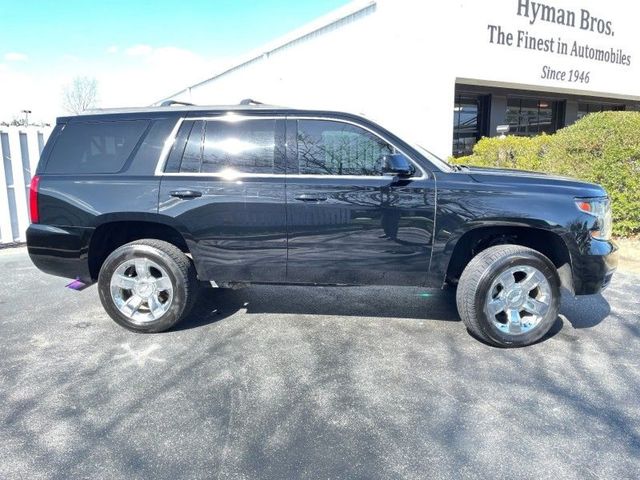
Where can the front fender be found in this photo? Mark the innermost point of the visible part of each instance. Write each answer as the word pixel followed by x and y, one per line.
pixel 464 206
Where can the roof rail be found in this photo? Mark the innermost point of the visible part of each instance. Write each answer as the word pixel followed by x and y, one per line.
pixel 250 101
pixel 171 103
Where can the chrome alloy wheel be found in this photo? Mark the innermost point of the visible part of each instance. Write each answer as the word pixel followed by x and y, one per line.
pixel 518 300
pixel 141 290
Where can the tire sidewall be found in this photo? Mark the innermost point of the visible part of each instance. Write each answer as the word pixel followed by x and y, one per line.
pixel 128 252
pixel 490 274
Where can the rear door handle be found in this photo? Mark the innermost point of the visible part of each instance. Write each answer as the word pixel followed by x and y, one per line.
pixel 310 198
pixel 185 194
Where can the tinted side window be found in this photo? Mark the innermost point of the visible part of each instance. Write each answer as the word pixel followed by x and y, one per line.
pixel 246 146
pixel 179 145
pixel 192 156
pixel 333 148
pixel 101 147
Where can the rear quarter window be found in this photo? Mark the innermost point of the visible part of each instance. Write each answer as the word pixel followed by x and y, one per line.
pixel 97 147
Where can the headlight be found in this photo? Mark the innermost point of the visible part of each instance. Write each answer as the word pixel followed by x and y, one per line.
pixel 601 209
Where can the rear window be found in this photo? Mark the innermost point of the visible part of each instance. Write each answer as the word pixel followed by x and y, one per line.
pixel 101 147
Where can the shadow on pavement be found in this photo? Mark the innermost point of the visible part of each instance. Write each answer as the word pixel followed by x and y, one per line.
pixel 383 302
pixel 585 311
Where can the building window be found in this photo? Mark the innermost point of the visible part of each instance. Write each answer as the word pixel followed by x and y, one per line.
pixel 529 116
pixel 466 131
pixel 586 108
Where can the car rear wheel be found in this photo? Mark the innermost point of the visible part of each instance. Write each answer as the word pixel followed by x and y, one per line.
pixel 509 295
pixel 147 285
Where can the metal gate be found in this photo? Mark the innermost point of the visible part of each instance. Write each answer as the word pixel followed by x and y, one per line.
pixel 21 148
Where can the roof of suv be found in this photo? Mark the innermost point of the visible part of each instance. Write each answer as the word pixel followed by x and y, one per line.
pixel 188 108
pixel 163 110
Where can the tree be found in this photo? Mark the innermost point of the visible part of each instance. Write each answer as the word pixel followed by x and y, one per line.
pixel 80 95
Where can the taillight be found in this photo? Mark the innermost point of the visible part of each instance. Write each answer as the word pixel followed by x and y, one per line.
pixel 33 199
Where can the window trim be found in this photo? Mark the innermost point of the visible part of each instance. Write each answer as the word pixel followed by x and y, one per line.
pixel 233 117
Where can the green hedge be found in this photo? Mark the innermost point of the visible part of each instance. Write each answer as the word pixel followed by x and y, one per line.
pixel 602 148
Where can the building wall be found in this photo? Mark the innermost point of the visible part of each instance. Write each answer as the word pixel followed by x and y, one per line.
pixel 21 148
pixel 321 71
pixel 398 61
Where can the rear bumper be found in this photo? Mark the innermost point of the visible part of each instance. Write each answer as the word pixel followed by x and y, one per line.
pixel 60 251
pixel 593 270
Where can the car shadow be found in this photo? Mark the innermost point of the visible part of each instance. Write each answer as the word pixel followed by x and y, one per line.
pixel 385 302
pixel 585 311
pixel 411 303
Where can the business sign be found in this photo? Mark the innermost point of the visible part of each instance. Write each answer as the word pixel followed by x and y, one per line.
pixel 585 45
pixel 583 19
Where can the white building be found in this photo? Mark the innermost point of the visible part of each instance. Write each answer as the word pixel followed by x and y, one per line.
pixel 449 72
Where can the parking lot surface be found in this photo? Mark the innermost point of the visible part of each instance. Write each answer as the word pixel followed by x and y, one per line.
pixel 302 382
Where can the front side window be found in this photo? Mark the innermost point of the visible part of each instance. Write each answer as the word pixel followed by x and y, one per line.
pixel 207 146
pixel 333 148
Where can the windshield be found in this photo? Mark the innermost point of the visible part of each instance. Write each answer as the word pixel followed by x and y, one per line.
pixel 437 161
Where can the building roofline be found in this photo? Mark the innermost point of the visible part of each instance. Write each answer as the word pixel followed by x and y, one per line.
pixel 310 28
pixel 554 90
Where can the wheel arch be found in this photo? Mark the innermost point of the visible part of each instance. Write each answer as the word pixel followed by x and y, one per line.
pixel 112 234
pixel 547 242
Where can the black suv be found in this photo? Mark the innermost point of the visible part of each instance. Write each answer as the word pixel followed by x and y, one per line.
pixel 148 202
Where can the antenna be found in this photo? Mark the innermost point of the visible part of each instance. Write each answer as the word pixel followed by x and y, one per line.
pixel 171 103
pixel 250 101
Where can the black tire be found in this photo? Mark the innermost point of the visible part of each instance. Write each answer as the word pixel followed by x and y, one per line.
pixel 179 269
pixel 479 276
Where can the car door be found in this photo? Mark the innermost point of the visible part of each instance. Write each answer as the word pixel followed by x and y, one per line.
pixel 223 186
pixel 348 223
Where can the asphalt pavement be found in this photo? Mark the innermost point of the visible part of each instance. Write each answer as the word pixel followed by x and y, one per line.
pixel 312 382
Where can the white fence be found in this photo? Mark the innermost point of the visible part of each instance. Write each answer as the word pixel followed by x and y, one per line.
pixel 20 147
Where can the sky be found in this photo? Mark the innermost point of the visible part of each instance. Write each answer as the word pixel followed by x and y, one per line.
pixel 138 51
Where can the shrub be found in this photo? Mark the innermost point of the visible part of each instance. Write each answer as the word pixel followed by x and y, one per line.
pixel 509 152
pixel 602 148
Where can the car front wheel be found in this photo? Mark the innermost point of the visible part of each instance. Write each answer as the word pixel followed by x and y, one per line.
pixel 509 295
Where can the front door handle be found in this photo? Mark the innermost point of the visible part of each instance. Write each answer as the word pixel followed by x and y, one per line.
pixel 185 194
pixel 311 198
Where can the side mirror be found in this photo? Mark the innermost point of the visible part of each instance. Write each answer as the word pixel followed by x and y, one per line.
pixel 397 164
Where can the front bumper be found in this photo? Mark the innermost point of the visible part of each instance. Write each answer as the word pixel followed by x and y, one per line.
pixel 594 268
pixel 60 251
